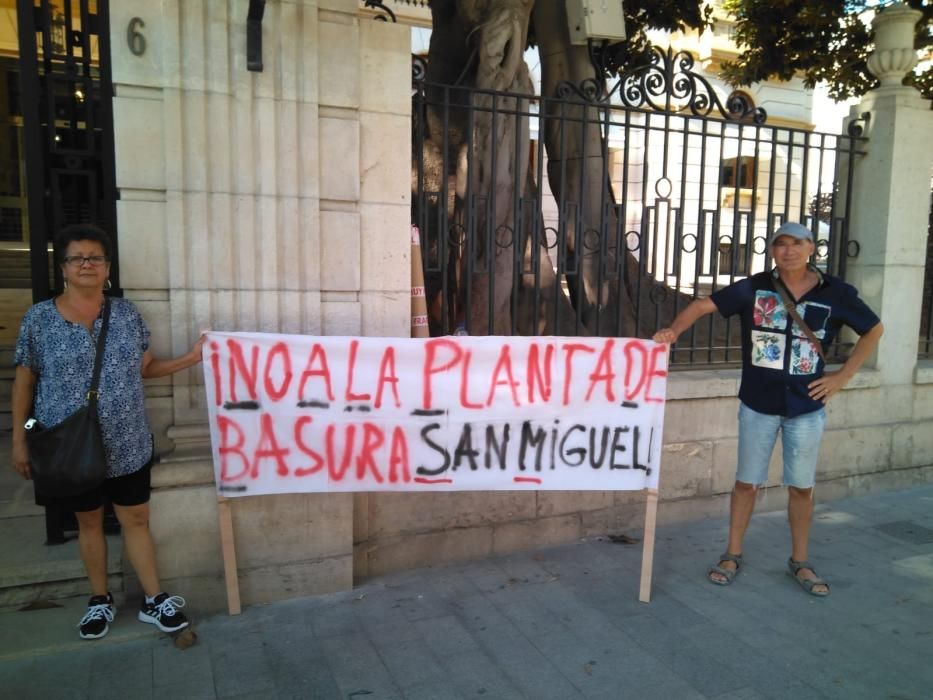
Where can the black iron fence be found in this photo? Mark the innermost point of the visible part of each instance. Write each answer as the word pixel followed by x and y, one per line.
pixel 67 116
pixel 605 209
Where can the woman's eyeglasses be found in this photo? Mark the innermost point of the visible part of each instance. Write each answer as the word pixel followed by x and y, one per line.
pixel 79 260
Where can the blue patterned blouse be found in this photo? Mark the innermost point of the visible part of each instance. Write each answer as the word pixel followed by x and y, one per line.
pixel 61 354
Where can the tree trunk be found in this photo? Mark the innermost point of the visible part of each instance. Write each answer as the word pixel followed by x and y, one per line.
pixel 578 172
pixel 500 159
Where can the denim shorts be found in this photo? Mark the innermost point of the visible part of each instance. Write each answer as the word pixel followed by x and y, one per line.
pixel 800 439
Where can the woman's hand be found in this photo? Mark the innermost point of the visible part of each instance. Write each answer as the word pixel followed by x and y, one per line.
pixel 153 368
pixel 21 458
pixel 665 335
pixel 196 349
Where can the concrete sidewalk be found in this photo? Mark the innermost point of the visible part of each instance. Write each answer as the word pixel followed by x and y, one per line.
pixel 562 622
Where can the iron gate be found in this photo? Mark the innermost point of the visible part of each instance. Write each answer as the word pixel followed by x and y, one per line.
pixel 67 112
pixel 606 208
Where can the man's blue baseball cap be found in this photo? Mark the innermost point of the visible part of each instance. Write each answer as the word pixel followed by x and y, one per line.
pixel 794 230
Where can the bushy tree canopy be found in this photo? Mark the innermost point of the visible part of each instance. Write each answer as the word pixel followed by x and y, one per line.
pixel 824 40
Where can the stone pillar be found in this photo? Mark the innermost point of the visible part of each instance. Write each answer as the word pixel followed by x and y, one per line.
pixel 273 201
pixel 891 197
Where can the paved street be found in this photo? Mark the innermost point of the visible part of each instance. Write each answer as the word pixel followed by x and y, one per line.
pixel 562 622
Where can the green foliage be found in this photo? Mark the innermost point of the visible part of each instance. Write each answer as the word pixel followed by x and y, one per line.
pixel 820 40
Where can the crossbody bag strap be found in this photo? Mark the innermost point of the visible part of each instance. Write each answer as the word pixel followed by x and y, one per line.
pixel 99 358
pixel 791 308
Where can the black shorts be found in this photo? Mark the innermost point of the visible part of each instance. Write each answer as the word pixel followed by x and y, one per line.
pixel 128 490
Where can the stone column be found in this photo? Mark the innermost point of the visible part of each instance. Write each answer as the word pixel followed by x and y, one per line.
pixel 273 201
pixel 891 200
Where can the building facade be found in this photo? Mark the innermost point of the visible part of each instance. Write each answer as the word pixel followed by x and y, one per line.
pixel 279 200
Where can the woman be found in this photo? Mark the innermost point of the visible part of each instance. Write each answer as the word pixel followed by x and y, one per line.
pixel 54 363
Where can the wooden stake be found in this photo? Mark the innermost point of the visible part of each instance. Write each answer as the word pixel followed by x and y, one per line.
pixel 647 552
pixel 229 553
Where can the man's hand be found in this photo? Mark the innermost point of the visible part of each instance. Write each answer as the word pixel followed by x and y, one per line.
pixel 686 318
pixel 21 458
pixel 824 388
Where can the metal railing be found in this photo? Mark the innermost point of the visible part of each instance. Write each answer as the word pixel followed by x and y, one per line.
pixel 605 209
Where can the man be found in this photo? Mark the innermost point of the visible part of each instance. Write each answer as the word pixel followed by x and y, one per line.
pixel 784 383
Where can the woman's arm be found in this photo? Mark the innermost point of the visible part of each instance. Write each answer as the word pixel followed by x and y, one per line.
pixel 153 368
pixel 24 385
pixel 695 310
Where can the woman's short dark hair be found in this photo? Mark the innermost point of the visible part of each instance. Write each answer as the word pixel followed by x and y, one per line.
pixel 81 232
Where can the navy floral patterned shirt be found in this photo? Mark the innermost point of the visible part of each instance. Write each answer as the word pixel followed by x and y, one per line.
pixel 778 360
pixel 61 355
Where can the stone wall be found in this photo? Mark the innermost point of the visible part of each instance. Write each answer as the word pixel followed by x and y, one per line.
pixel 877 437
pixel 271 201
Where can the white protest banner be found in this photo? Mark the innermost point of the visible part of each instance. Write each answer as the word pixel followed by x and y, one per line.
pixel 291 413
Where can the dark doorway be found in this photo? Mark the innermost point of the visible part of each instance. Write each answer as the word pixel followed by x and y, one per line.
pixel 65 97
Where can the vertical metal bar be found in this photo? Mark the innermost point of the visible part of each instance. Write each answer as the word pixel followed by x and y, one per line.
pixel 623 216
pixel 518 232
pixel 33 149
pixel 750 233
pixel 819 188
pixel 466 298
pixel 562 209
pixel 769 221
pixel 444 247
pixel 603 227
pixel 804 176
pixel 645 244
pixel 700 244
pixel 87 82
pixel 679 238
pixel 618 239
pixel 832 247
pixel 580 225
pixel 844 232
pixel 540 232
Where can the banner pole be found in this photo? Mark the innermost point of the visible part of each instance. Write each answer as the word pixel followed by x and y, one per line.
pixel 647 552
pixel 228 547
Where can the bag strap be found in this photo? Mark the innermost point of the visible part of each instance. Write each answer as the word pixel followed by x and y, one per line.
pixel 791 309
pixel 99 358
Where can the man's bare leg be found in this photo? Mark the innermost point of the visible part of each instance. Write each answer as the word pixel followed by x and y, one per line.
pixel 741 507
pixel 800 516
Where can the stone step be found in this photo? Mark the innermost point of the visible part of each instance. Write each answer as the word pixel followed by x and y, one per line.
pixel 49 625
pixel 31 571
pixel 6 386
pixel 6 389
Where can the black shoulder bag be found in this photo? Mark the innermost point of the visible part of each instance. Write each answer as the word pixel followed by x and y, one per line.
pixel 68 459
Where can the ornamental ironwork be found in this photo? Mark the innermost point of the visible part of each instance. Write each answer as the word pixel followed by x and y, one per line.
pixel 380 6
pixel 666 83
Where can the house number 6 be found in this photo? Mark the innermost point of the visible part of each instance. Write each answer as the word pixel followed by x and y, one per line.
pixel 134 38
